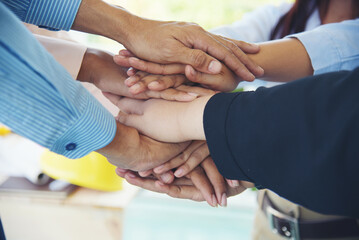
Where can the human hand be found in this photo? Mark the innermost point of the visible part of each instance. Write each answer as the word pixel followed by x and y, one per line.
pixel 167 42
pixel 170 75
pixel 142 82
pixel 131 150
pixel 98 68
pixel 163 120
pixel 198 188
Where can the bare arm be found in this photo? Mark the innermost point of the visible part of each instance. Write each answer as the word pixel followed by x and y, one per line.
pixel 283 60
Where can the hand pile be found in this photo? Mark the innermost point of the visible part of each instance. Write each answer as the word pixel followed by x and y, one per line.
pixel 189 172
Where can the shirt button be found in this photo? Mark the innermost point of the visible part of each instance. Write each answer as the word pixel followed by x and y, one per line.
pixel 71 146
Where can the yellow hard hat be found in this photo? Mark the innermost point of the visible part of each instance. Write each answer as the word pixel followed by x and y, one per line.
pixel 92 171
pixel 4 130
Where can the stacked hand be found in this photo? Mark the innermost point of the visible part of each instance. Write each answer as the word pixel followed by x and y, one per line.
pixel 141 147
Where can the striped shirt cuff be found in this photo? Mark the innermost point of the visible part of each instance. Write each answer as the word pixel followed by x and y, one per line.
pixel 50 14
pixel 94 130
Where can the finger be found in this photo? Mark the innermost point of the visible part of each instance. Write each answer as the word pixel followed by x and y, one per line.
pixel 195 76
pixel 251 48
pixel 184 192
pixel 200 61
pixel 229 53
pixel 126 53
pixel 166 177
pixel 121 60
pixel 121 172
pixel 145 183
pixel 233 183
pixel 166 81
pixel 200 91
pixel 112 97
pixel 217 180
pixel 201 181
pixel 182 181
pixel 196 157
pixel 129 105
pixel 132 80
pixel 237 48
pixel 131 71
pixel 177 95
pixel 178 160
pixel 145 173
pixel 156 68
pixel 180 191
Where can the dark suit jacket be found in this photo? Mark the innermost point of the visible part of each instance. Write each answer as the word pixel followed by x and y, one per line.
pixel 300 139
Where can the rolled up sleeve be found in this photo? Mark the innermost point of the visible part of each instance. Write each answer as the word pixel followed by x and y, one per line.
pixel 50 14
pixel 332 47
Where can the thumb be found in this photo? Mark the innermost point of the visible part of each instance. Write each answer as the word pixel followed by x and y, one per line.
pixel 112 97
pixel 195 76
pixel 129 120
pixel 200 61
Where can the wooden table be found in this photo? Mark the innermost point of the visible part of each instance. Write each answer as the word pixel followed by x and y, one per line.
pixel 85 214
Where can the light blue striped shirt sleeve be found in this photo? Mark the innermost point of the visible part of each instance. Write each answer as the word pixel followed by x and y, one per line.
pixel 52 14
pixel 40 101
pixel 332 47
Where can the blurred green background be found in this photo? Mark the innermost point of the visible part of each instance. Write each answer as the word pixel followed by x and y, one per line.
pixel 207 13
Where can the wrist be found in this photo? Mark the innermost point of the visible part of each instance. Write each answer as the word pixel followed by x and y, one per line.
pixel 191 121
pixel 104 19
pixel 91 59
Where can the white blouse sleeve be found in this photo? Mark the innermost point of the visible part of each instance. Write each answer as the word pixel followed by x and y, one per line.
pixel 255 26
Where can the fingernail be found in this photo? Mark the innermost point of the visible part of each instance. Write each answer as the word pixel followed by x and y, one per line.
pixel 193 94
pixel 131 175
pixel 166 177
pixel 154 84
pixel 119 56
pixel 122 53
pixel 192 71
pixel 260 70
pixel 230 183
pixel 224 200
pixel 254 45
pixel 179 173
pixel 128 81
pixel 158 169
pixel 235 183
pixel 214 201
pixel 251 77
pixel 135 87
pixel 214 67
pixel 161 183
pixel 121 170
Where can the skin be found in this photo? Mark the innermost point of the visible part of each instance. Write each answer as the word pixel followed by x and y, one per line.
pixel 164 120
pixel 166 42
pixel 191 186
pixel 278 65
pixel 99 69
pixel 131 150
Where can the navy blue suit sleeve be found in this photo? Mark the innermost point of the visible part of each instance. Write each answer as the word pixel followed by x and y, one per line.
pixel 300 139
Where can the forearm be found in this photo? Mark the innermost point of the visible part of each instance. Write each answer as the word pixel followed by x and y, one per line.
pixel 101 18
pixel 283 60
pixel 41 101
pixel 191 119
pixel 293 139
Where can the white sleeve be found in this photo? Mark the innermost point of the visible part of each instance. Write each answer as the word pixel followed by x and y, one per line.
pixel 255 26
pixel 68 54
pixel 332 47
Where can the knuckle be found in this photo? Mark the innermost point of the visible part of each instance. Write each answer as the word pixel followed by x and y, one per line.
pixel 198 58
pixel 197 157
